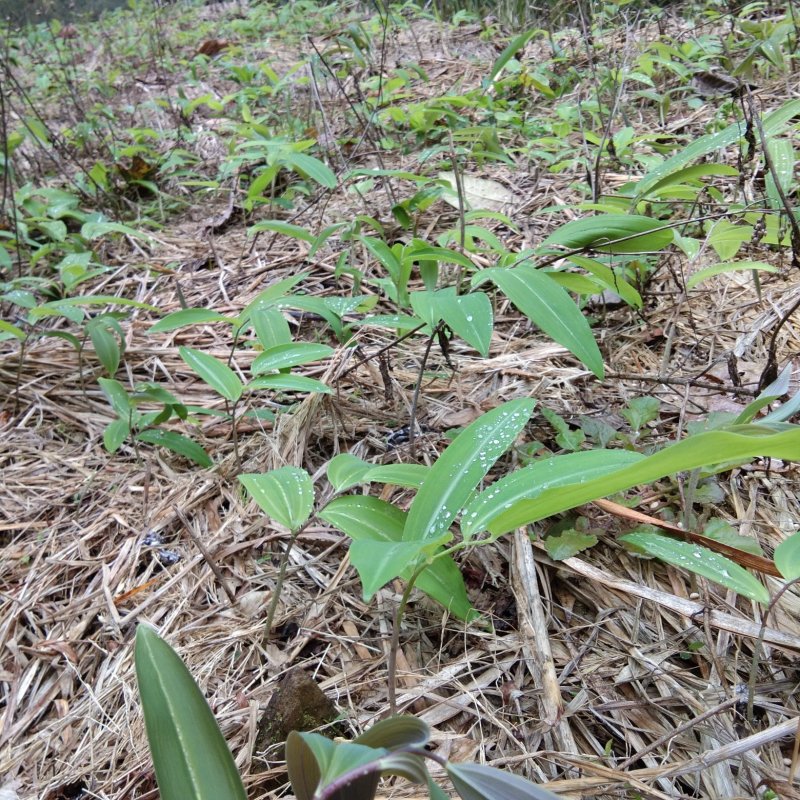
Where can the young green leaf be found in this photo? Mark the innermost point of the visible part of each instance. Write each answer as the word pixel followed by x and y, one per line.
pixel 787 557
pixel 346 470
pixel 568 544
pixel 117 396
pixel 380 562
pixel 187 316
pixel 719 269
pixel 115 434
pixel 271 327
pixel 367 518
pixel 289 383
pixel 699 560
pixel 411 476
pixel 190 756
pixel 312 167
pixel 783 160
pixel 547 305
pixel 285 494
pixel 702 450
pixel 399 731
pixel 469 316
pixel 511 49
pixel 106 347
pixel 479 782
pixel 279 226
pixel 217 375
pixel 285 356
pixel 178 444
pixel 462 465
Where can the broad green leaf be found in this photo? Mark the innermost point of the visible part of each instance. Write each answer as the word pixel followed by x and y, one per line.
pixel 346 470
pixel 705 449
pixel 217 375
pixel 115 434
pixel 289 383
pixel 547 305
pixel 699 560
pixel 384 254
pixel 722 531
pixel 773 123
pixel 469 316
pixel 691 174
pixel 479 782
pixel 270 327
pixel 94 230
pixel 178 443
pixel 285 494
pixel 459 469
pixel 407 765
pixel 787 557
pixel 638 234
pixel 718 269
pixel 117 396
pixel 529 482
pixel 190 756
pixel 187 316
pixel 425 307
pixel 279 226
pixel 609 279
pixel 292 354
pixel 106 347
pixel 380 562
pixel 363 517
pixel 312 167
pixel 326 760
pixel 399 731
pixel 11 330
pixel 567 544
pixel 727 238
pixel 421 251
pixel 783 160
pixel 411 476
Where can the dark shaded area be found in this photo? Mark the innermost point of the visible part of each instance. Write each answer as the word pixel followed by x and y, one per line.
pixel 33 11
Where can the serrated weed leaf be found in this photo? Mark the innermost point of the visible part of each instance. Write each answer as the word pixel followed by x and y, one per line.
pixel 461 467
pixel 190 756
pixel 285 494
pixel 700 560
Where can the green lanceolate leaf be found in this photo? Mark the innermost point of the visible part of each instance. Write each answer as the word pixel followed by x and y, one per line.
pixel 187 316
pixel 380 562
pixel 411 476
pixel 190 756
pixel 106 347
pixel 285 356
pixel 177 444
pixel 531 481
pixel 217 375
pixel 461 467
pixel 399 731
pixel 699 560
pixel 302 766
pixel 738 443
pixel 479 782
pixel 285 494
pixel 718 269
pixel 117 396
pixel 783 160
pixel 547 305
pixel 469 316
pixel 366 518
pixel 787 557
pixel 346 470
pixel 289 383
pixel 279 226
pixel 691 174
pixel 610 233
pixel 773 123
pixel 511 49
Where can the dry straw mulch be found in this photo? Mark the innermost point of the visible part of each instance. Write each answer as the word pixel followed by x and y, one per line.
pixel 606 675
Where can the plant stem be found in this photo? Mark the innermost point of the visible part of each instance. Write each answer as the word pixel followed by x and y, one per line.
pixel 395 642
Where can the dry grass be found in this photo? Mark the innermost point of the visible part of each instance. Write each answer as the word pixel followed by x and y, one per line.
pixel 606 675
